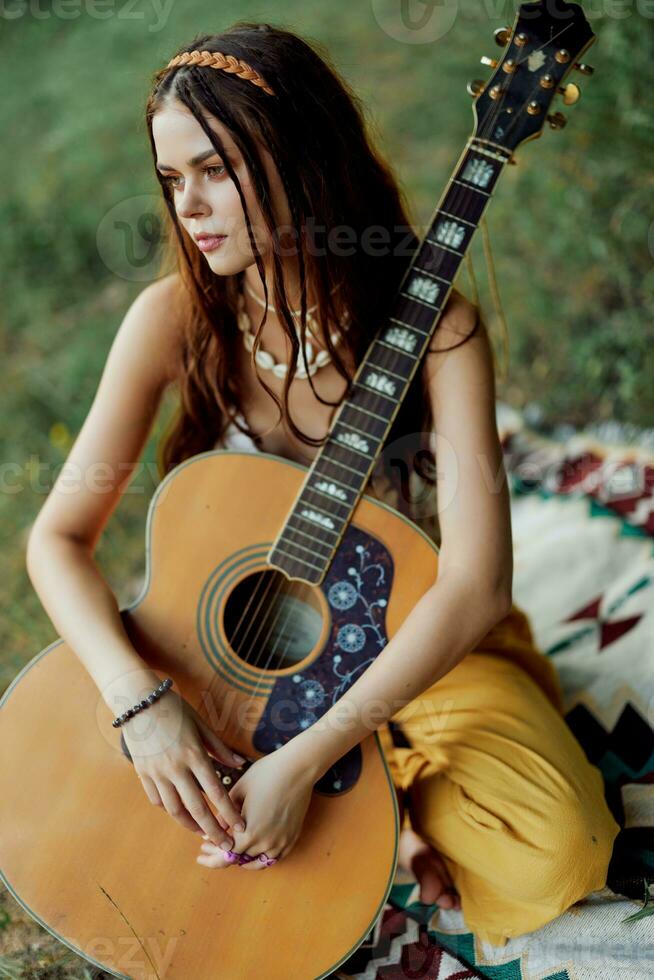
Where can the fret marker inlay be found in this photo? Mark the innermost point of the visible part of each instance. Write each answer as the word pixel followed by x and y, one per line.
pixel 478 172
pixel 450 233
pixel 400 338
pixel 425 289
pixel 353 439
pixel 331 489
pixel 381 382
pixel 322 519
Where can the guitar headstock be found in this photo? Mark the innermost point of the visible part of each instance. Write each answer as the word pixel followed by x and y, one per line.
pixel 544 44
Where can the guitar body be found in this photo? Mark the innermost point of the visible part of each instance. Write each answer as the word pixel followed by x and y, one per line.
pixel 114 877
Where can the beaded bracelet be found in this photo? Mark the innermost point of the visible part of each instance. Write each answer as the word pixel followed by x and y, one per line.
pixel 151 698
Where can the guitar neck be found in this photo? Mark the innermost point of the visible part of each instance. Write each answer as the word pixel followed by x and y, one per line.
pixel 339 473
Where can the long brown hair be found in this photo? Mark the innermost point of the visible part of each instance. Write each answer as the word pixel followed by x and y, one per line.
pixel 315 130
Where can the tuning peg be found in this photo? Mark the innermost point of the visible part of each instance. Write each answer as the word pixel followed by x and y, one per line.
pixel 502 36
pixel 475 87
pixel 491 62
pixel 584 69
pixel 571 93
pixel 557 120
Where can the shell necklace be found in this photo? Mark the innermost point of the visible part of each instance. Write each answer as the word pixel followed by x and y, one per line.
pixel 266 360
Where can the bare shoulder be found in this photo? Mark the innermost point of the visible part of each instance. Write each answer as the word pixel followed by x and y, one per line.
pixel 140 364
pixel 457 321
pixel 460 360
pixel 461 328
pixel 156 318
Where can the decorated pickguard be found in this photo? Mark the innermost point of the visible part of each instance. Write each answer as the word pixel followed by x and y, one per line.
pixel 357 588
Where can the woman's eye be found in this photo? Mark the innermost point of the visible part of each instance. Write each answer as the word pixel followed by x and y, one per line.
pixel 170 179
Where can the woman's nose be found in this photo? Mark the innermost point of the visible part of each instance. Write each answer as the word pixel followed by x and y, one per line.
pixel 190 204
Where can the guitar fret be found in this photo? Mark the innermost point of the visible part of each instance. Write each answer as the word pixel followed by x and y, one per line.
pixel 410 326
pixel 316 541
pixel 333 479
pixel 336 462
pixel 386 356
pixel 304 561
pixel 361 432
pixel 442 259
pixel 389 346
pixel 446 248
pixel 353 456
pixel 368 425
pixel 468 186
pixel 329 496
pixel 493 154
pixel 387 370
pixel 384 350
pixel 423 302
pixel 311 537
pixel 426 272
pixel 301 516
pixel 368 388
pixel 360 408
pixel 458 218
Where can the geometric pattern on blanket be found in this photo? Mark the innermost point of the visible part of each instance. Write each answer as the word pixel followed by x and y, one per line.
pixel 582 513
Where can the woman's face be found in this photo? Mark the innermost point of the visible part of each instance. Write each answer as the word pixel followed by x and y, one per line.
pixel 205 197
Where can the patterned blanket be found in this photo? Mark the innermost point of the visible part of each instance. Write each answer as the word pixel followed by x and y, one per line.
pixel 582 507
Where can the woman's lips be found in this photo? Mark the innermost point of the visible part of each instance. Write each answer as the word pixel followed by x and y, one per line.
pixel 208 244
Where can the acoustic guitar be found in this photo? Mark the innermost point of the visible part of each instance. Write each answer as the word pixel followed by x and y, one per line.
pixel 275 606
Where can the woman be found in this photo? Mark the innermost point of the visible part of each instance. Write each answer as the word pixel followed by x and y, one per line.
pixel 264 162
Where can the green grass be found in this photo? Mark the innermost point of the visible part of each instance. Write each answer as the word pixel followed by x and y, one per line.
pixel 569 227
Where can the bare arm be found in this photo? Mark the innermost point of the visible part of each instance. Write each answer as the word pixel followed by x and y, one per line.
pixel 69 583
pixel 473 588
pixel 64 536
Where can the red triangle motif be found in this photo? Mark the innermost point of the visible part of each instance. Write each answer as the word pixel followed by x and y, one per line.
pixel 610 632
pixel 587 612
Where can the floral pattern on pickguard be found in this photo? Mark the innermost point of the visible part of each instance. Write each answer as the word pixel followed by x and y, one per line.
pixel 357 588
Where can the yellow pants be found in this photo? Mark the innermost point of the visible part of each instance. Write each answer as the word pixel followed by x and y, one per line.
pixel 496 782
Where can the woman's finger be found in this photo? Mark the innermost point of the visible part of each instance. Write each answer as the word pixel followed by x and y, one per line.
pixel 194 801
pixel 255 863
pixel 209 780
pixel 154 797
pixel 151 790
pixel 258 864
pixel 215 857
pixel 174 807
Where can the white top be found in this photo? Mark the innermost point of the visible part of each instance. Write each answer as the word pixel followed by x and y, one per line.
pixel 235 439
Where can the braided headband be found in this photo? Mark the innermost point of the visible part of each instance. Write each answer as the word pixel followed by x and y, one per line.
pixel 227 62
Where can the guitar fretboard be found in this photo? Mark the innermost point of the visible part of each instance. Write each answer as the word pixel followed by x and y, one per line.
pixel 307 542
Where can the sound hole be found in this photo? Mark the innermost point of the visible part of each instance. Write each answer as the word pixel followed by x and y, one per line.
pixel 270 622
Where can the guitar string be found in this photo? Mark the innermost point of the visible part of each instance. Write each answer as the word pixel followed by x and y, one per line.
pixel 458 199
pixel 489 122
pixel 265 597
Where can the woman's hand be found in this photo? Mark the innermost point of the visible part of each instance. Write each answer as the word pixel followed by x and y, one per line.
pixel 274 796
pixel 171 748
